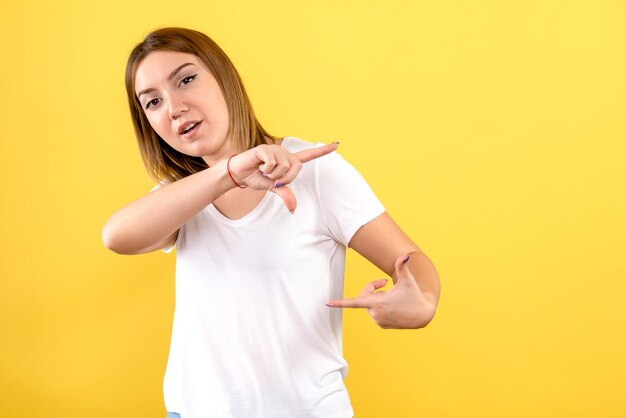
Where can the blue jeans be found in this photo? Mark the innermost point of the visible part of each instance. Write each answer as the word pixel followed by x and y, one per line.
pixel 172 415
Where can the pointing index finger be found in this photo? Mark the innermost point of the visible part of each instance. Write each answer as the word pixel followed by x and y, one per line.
pixel 311 154
pixel 358 302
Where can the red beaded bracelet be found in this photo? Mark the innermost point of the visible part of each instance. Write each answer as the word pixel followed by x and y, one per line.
pixel 230 175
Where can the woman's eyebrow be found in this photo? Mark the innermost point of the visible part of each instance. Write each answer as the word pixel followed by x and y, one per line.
pixel 172 75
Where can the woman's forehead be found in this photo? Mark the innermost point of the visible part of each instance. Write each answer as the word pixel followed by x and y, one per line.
pixel 160 66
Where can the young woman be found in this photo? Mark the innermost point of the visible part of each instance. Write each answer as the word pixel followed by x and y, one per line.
pixel 260 225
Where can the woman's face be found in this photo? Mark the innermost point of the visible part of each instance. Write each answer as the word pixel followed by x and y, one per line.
pixel 176 91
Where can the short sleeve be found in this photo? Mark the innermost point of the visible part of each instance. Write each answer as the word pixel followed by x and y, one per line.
pixel 347 202
pixel 169 248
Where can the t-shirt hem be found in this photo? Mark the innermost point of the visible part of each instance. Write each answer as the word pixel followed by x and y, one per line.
pixel 346 414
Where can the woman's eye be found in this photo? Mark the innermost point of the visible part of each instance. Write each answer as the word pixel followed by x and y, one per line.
pixel 152 102
pixel 187 80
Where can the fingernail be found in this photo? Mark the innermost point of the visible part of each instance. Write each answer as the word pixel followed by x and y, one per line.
pixel 328 305
pixel 406 259
pixel 292 211
pixel 279 184
pixel 336 142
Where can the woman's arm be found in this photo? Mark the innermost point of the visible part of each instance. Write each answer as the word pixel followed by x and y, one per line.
pixel 152 221
pixel 412 302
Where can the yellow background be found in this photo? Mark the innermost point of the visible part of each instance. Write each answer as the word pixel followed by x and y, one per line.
pixel 493 131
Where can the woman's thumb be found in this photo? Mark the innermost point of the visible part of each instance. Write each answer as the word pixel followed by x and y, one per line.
pixel 287 195
pixel 402 267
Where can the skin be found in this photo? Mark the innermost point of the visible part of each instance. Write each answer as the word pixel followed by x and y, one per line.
pixel 152 221
pixel 192 95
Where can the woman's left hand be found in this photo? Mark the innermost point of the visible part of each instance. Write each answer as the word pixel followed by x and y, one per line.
pixel 402 306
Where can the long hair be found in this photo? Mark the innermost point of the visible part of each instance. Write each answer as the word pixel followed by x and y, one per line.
pixel 162 161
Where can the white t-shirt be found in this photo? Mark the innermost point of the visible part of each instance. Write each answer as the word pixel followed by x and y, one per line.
pixel 252 336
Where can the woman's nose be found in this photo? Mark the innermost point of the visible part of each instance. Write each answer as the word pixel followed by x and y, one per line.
pixel 177 108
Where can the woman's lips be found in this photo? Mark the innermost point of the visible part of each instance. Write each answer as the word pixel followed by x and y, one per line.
pixel 192 133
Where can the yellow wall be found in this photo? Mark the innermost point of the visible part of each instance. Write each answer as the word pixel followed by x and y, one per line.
pixel 493 131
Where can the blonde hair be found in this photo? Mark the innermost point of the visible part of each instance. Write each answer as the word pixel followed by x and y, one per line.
pixel 162 161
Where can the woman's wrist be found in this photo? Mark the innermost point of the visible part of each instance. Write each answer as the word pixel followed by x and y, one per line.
pixel 230 174
pixel 223 179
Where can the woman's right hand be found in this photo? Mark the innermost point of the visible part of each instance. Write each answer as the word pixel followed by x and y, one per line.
pixel 272 167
